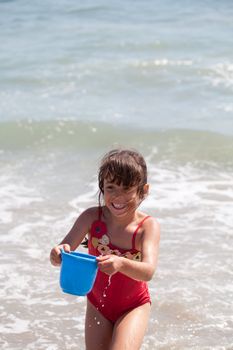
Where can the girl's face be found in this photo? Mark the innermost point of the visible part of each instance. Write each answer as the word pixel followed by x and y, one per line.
pixel 119 200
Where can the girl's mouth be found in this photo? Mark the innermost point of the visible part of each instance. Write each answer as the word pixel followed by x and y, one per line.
pixel 118 206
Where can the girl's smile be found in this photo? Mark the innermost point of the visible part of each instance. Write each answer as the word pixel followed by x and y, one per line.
pixel 118 199
pixel 118 206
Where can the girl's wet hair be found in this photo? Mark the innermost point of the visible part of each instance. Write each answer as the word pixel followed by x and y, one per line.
pixel 123 167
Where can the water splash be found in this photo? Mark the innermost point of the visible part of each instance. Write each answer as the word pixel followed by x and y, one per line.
pixel 108 285
pixel 105 290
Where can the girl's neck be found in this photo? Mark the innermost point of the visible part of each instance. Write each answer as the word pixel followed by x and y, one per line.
pixel 121 221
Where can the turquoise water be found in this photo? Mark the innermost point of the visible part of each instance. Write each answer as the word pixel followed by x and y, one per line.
pixel 152 64
pixel 77 79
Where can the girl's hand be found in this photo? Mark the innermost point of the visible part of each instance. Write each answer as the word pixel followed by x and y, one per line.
pixel 55 254
pixel 109 264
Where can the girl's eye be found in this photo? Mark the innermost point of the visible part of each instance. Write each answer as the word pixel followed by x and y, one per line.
pixel 129 190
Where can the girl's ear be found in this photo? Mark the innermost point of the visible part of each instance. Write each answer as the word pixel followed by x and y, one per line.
pixel 146 188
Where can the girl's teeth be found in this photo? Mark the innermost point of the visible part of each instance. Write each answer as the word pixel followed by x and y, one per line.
pixel 118 206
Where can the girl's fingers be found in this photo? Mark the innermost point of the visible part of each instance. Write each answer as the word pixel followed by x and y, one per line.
pixel 55 256
pixel 66 248
pixel 102 257
pixel 58 250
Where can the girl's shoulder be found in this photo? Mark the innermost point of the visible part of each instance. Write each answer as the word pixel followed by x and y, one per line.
pixel 148 223
pixel 86 218
pixel 147 230
pixel 145 218
pixel 151 227
pixel 92 213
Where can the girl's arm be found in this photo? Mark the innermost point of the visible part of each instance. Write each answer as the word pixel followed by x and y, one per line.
pixel 143 270
pixel 74 237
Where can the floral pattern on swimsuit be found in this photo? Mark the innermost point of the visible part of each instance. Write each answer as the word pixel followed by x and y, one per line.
pixel 101 242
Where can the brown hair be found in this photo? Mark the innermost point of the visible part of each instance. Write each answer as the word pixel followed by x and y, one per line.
pixel 123 167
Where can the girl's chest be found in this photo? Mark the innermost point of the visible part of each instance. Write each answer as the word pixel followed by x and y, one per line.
pixel 119 243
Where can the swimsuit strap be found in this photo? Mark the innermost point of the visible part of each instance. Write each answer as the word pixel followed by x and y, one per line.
pixel 136 231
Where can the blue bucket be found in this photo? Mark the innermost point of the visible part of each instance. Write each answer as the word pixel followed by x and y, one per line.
pixel 78 272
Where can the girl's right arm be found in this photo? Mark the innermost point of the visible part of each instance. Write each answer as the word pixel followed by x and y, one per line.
pixel 74 237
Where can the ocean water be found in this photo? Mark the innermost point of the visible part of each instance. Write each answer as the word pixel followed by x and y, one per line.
pixel 78 78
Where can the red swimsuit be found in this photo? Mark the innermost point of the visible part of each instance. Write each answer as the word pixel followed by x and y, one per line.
pixel 114 295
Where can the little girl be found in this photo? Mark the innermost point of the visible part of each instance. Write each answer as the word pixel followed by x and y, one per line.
pixel 125 241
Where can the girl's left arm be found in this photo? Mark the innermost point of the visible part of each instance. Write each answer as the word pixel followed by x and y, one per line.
pixel 143 270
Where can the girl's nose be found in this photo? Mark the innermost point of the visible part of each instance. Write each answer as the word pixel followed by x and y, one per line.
pixel 117 194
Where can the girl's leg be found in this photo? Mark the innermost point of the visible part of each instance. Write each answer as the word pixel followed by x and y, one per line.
pixel 98 330
pixel 130 329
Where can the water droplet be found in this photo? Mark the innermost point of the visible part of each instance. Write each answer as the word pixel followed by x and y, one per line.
pixel 105 289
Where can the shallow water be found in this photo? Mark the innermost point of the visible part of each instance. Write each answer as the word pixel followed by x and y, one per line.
pixel 129 63
pixel 43 191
